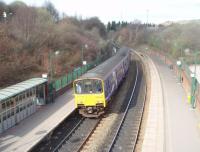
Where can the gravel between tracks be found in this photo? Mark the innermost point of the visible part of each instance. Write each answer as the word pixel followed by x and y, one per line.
pixel 104 129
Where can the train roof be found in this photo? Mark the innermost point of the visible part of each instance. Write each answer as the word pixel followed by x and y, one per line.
pixel 103 69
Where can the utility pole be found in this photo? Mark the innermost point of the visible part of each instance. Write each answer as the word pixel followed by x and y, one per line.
pixel 194 81
pixel 147 11
pixel 82 55
pixel 82 47
pixel 51 65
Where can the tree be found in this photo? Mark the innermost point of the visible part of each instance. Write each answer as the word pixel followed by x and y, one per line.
pixel 108 26
pixel 13 7
pixel 94 22
pixel 113 26
pixel 23 25
pixel 3 8
pixel 52 10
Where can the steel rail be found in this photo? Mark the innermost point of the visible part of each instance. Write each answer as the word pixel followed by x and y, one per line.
pixel 68 135
pixel 124 116
pixel 88 136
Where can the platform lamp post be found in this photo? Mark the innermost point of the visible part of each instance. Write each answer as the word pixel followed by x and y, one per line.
pixel 82 55
pixel 179 70
pixel 51 67
pixel 194 82
pixel 4 15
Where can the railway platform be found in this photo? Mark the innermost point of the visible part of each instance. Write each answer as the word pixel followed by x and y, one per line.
pixel 172 125
pixel 33 129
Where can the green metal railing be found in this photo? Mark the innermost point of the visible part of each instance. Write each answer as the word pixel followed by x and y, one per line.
pixel 194 83
pixel 71 76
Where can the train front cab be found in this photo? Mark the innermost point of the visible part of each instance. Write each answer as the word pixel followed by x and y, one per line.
pixel 89 94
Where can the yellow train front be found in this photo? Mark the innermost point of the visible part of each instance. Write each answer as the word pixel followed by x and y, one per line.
pixel 94 89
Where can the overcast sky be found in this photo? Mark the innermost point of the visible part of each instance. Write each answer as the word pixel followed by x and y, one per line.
pixel 158 11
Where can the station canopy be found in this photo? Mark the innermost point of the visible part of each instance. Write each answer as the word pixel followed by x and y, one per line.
pixel 20 87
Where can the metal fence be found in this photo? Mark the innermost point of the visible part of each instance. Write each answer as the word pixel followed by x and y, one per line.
pixel 67 79
pixel 187 77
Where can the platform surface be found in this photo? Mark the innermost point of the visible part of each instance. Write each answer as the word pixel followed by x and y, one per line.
pixel 154 131
pixel 182 132
pixel 181 122
pixel 30 131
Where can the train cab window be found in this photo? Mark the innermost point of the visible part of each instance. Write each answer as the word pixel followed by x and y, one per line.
pixel 98 86
pixel 88 86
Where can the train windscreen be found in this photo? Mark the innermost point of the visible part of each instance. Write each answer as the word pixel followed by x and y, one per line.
pixel 88 86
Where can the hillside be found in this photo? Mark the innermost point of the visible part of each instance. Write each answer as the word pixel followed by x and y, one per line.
pixel 178 39
pixel 30 36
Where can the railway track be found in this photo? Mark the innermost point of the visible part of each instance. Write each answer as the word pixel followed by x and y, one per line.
pixel 124 133
pixel 127 126
pixel 78 136
pixel 64 130
pixel 125 137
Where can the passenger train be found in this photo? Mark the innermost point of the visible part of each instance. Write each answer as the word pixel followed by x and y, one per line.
pixel 94 89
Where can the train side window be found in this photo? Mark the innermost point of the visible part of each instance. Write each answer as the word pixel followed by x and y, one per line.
pixel 8 114
pixel 31 92
pixel 8 103
pixel 12 112
pixel 16 99
pixel 3 105
pixel 20 97
pixel 23 96
pixel 28 93
pixel 4 116
pixel 17 109
pixel 21 108
pixel 12 103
